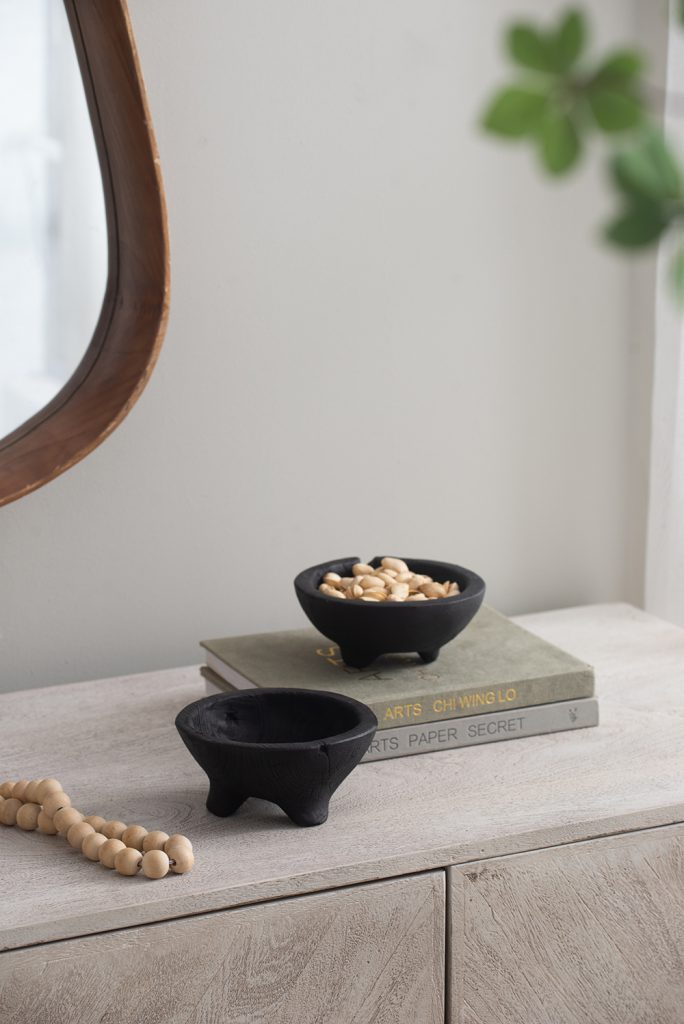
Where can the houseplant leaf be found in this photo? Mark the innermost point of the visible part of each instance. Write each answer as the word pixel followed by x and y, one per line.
pixel 615 111
pixel 568 41
pixel 531 48
pixel 648 169
pixel 619 69
pixel 559 142
pixel 640 225
pixel 515 112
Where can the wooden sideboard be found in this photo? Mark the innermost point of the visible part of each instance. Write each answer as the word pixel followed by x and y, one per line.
pixel 537 881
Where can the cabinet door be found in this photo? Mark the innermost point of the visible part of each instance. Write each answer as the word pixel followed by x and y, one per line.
pixel 373 953
pixel 591 933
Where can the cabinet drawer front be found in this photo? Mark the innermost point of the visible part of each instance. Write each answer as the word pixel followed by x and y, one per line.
pixel 373 953
pixel 591 933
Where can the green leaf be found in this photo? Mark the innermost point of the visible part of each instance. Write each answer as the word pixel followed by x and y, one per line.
pixel 677 274
pixel 650 169
pixel 569 40
pixel 681 11
pixel 639 226
pixel 559 143
pixel 615 111
pixel 515 112
pixel 530 48
pixel 619 69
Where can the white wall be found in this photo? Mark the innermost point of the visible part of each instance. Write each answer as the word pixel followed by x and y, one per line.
pixel 388 334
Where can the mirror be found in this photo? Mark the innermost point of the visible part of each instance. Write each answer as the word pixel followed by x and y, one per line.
pixel 84 265
pixel 53 234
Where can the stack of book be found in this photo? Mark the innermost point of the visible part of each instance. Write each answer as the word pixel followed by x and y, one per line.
pixel 494 682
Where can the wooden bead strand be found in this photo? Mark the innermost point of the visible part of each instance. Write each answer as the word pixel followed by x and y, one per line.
pixel 42 804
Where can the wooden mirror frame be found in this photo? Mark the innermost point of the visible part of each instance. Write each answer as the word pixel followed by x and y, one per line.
pixel 130 329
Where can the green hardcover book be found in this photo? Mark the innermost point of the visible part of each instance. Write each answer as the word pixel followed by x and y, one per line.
pixel 494 665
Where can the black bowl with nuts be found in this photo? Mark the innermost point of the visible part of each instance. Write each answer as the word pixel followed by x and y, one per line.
pixel 389 605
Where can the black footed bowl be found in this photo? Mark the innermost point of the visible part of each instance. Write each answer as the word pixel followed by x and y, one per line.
pixel 365 630
pixel 292 747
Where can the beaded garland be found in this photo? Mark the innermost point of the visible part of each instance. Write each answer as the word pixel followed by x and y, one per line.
pixel 42 804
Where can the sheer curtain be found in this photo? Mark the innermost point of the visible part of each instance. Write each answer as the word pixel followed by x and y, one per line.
pixel 665 538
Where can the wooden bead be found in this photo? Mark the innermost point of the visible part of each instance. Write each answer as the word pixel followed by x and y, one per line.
pixel 114 829
pixel 27 816
pixel 31 793
pixel 182 859
pixel 19 789
pixel 154 841
pixel 172 845
pixel 46 787
pixel 65 817
pixel 92 845
pixel 46 824
pixel 128 860
pixel 8 811
pixel 133 836
pixel 109 850
pixel 6 789
pixel 54 801
pixel 77 833
pixel 155 863
pixel 96 820
pixel 177 838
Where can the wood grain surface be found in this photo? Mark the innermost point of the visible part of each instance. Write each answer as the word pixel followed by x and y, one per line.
pixel 591 933
pixel 115 749
pixel 120 356
pixel 373 953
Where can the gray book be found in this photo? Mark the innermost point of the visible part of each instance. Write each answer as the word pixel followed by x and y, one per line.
pixel 467 732
pixel 494 665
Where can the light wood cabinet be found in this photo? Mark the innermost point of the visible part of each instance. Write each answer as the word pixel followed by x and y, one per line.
pixel 538 881
pixel 591 933
pixel 374 953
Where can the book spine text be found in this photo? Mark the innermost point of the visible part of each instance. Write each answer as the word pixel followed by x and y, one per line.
pixel 464 703
pixel 489 728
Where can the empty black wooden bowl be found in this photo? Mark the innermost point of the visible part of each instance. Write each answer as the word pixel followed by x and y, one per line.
pixel 364 630
pixel 292 747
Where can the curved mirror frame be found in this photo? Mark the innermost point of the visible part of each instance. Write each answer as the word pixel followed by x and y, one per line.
pixel 130 329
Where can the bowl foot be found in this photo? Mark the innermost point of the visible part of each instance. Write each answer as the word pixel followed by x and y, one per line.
pixel 223 801
pixel 305 815
pixel 428 656
pixel 356 657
